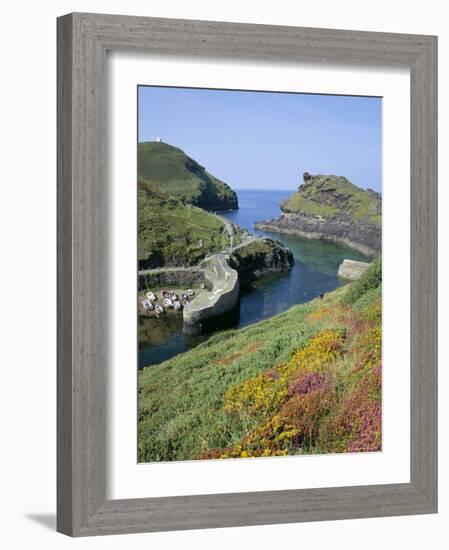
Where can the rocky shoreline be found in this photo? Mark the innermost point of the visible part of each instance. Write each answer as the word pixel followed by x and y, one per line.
pixel 333 209
pixel 308 229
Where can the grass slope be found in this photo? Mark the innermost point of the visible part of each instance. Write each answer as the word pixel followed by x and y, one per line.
pixel 305 381
pixel 182 177
pixel 332 196
pixel 171 233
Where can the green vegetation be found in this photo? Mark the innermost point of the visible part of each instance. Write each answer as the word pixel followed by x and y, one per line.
pixel 308 206
pixel 256 248
pixel 180 176
pixel 332 196
pixel 175 228
pixel 369 281
pixel 305 381
pixel 173 234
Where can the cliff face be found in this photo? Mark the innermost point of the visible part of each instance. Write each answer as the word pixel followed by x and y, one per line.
pixel 333 209
pixel 183 178
pixel 172 233
pixel 259 258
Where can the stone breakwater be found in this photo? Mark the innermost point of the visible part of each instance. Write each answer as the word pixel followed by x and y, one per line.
pixel 352 269
pixel 223 282
pixel 220 274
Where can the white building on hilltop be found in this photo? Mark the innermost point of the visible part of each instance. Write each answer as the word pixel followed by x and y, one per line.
pixel 158 139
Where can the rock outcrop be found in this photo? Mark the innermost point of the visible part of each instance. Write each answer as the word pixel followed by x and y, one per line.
pixel 333 209
pixel 260 257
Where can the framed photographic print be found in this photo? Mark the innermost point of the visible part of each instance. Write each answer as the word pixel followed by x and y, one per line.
pixel 246 274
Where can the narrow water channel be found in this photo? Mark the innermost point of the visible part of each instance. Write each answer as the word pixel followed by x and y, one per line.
pixel 315 271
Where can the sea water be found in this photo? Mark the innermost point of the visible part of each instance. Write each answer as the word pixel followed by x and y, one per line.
pixel 315 271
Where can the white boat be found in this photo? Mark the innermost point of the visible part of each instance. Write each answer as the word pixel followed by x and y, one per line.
pixel 177 306
pixel 147 305
pixel 190 292
pixel 167 302
pixel 159 310
pixel 151 296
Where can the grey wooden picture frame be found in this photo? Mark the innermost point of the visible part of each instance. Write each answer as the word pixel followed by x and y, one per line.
pixel 83 41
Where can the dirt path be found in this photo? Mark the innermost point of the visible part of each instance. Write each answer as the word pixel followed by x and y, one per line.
pixel 230 231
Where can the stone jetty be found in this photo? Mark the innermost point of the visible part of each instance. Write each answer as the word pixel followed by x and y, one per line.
pixel 219 279
pixel 352 269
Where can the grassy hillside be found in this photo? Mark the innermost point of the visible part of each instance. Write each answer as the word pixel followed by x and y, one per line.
pixel 305 381
pixel 171 233
pixel 182 177
pixel 334 196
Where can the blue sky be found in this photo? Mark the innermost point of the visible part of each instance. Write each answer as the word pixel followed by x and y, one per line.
pixel 266 140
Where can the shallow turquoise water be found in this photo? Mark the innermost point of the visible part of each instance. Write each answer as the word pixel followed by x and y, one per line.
pixel 315 271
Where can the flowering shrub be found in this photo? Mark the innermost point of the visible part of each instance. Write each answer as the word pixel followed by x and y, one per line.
pixel 262 393
pixel 308 383
pixel 305 410
pixel 369 350
pixel 272 438
pixel 289 398
pixel 296 425
pixel 321 350
pixel 266 392
pixel 373 313
pixel 369 434
pixel 300 406
pixel 357 424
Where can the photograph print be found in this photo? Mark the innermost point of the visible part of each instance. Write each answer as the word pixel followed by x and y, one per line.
pixel 259 276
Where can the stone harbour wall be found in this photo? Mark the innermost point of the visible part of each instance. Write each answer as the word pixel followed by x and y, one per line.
pixel 352 269
pixel 223 281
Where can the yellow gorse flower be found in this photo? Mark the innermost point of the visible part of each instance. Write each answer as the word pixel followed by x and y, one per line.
pixel 265 392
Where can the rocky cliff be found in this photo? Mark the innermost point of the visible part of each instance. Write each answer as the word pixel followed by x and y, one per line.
pixel 333 209
pixel 180 176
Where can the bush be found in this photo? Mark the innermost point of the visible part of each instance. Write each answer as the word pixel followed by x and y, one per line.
pixel 304 411
pixel 372 278
pixel 267 391
pixel 357 425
